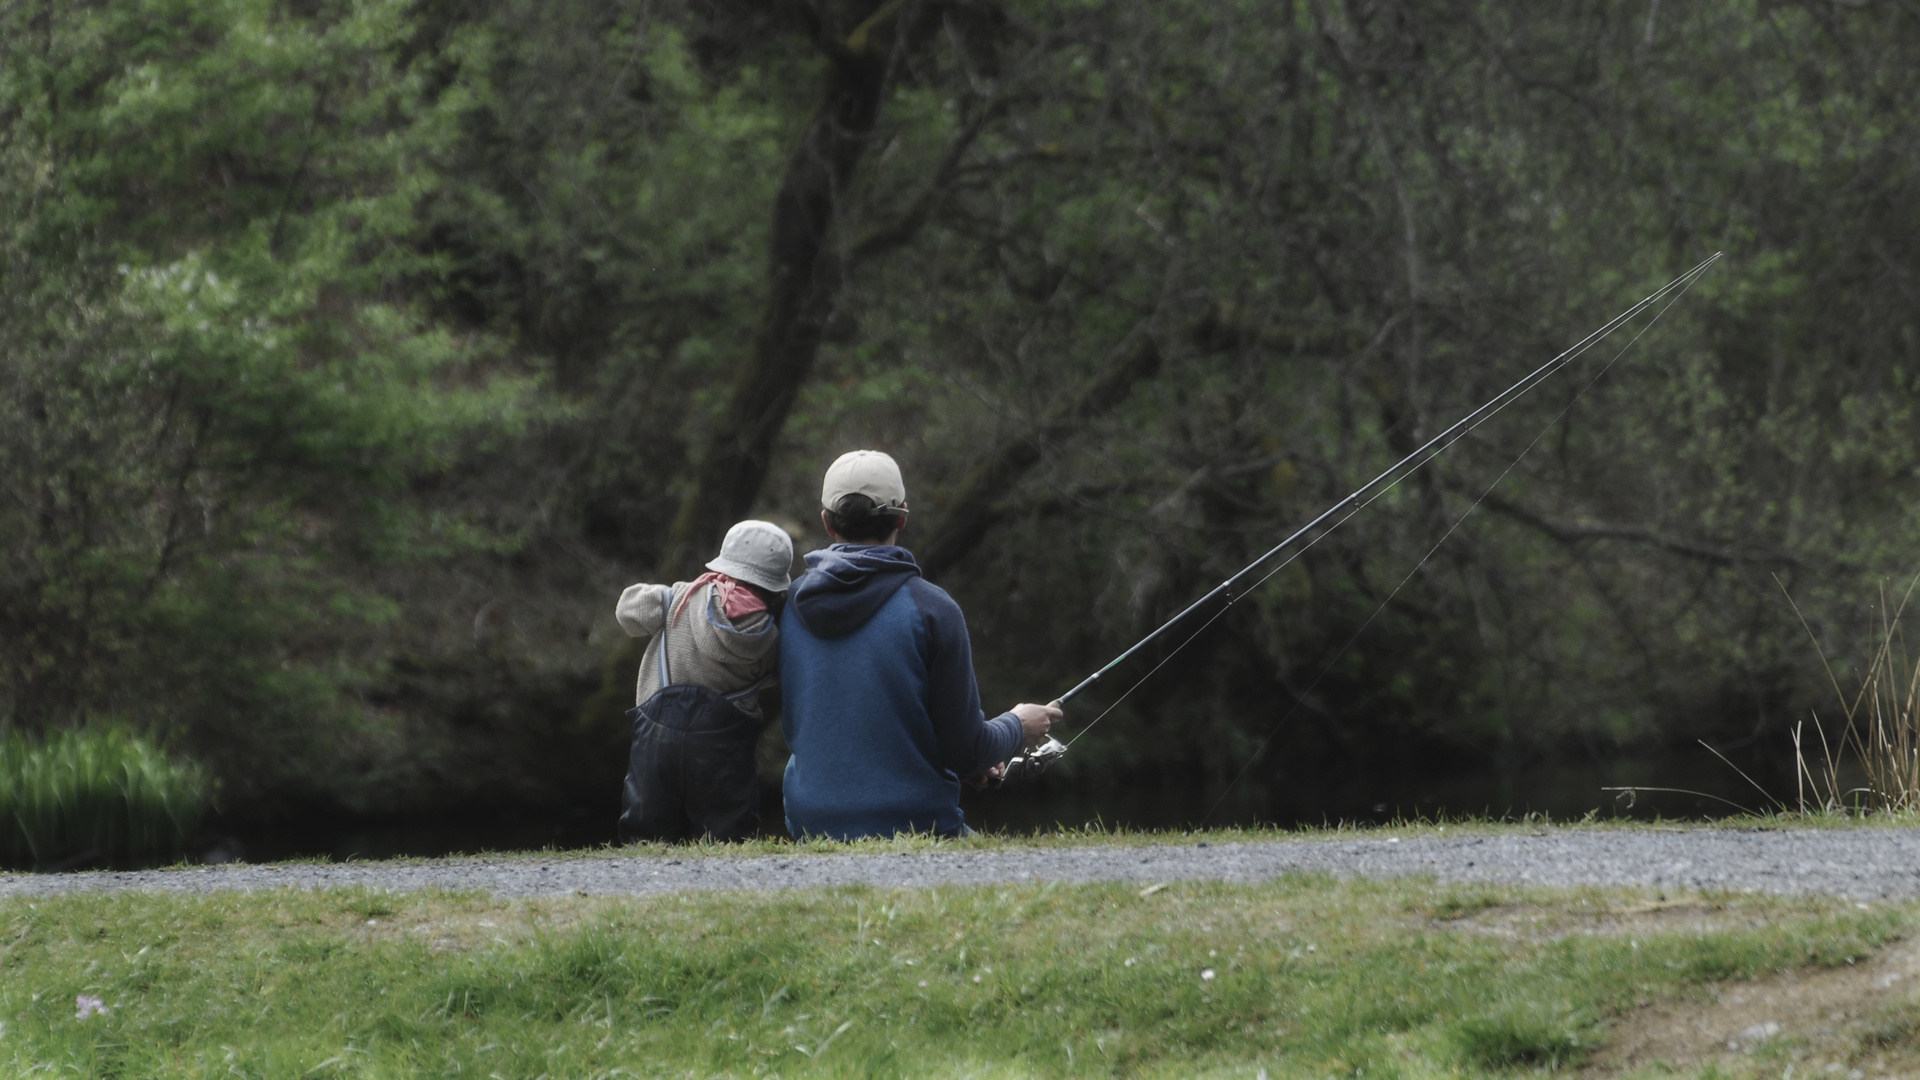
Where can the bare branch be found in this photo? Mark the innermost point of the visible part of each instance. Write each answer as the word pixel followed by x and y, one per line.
pixel 976 507
pixel 1572 535
pixel 903 229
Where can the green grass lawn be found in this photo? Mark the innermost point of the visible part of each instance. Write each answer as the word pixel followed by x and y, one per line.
pixel 1306 977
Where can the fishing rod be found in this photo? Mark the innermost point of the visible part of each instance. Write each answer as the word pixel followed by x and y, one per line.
pixel 1049 752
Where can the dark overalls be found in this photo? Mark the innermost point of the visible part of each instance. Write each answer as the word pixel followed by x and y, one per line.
pixel 690 771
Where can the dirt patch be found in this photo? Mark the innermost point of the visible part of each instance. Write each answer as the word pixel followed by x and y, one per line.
pixel 1533 922
pixel 1855 1021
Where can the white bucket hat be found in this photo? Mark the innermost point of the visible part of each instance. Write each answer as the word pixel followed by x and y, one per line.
pixel 758 553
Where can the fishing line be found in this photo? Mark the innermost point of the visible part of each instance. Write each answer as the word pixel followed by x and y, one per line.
pixel 1417 459
pixel 1226 607
pixel 1444 537
pixel 1433 448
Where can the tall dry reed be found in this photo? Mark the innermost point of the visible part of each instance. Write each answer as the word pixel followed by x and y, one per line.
pixel 1879 728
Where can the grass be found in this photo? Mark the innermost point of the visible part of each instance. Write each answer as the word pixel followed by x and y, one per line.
pixel 94 796
pixel 1309 978
pixel 1098 836
pixel 1068 837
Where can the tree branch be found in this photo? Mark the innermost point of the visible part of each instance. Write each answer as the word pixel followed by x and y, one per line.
pixel 903 229
pixel 978 503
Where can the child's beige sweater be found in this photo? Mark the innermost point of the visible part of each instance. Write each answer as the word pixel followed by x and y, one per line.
pixel 704 647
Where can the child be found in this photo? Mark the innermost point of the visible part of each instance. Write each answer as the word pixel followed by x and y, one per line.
pixel 715 647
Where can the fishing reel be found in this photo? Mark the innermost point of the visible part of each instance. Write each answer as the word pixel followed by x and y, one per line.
pixel 1032 763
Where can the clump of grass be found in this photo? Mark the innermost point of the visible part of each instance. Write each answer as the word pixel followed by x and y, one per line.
pixel 1880 729
pixel 1518 1041
pixel 94 796
pixel 1459 905
pixel 1897 1025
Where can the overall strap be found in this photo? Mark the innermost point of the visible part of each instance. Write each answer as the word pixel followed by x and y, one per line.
pixel 665 604
pixel 665 676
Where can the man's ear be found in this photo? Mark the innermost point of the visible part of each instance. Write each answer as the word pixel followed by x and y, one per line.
pixel 829 528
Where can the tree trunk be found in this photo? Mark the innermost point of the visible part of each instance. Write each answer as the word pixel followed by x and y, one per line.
pixel 804 275
pixel 803 283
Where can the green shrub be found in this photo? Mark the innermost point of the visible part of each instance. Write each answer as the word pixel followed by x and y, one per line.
pixel 101 795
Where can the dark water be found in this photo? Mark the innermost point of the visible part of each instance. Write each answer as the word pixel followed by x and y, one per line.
pixel 1707 788
pixel 1560 792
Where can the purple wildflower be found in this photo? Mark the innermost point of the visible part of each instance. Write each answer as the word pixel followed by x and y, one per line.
pixel 88 1005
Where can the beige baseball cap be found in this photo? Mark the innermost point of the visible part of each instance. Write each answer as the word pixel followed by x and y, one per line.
pixel 865 472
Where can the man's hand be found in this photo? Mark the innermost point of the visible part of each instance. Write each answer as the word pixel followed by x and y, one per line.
pixel 985 780
pixel 1035 720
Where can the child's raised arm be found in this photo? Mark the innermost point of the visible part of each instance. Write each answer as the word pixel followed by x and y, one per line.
pixel 642 609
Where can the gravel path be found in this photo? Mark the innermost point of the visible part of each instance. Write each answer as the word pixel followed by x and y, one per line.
pixel 1860 864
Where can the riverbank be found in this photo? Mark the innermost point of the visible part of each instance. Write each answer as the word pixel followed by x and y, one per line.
pixel 1315 801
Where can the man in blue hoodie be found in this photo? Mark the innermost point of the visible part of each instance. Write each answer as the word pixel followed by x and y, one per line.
pixel 881 709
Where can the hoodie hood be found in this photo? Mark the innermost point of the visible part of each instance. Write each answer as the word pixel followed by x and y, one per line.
pixel 846 584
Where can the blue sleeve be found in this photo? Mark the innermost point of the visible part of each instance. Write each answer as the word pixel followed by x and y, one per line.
pixel 969 742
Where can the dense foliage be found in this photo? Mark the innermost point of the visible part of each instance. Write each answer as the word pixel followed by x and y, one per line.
pixel 353 353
